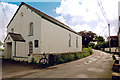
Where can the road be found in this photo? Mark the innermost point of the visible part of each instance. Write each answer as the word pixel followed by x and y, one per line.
pixel 97 65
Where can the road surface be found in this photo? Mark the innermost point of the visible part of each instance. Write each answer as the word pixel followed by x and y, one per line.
pixel 97 65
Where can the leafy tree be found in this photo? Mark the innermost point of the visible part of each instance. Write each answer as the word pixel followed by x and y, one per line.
pixel 100 45
pixel 99 39
pixel 87 37
pixel 1 43
pixel 91 45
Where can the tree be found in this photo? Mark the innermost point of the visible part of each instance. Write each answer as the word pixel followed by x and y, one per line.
pixel 99 39
pixel 1 43
pixel 91 45
pixel 100 45
pixel 87 37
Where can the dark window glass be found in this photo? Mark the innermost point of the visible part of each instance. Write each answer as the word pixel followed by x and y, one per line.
pixel 69 40
pixel 36 43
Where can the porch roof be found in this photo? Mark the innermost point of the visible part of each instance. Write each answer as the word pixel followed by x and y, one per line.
pixel 16 37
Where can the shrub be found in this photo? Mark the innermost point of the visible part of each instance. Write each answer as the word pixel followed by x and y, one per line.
pixel 77 56
pixel 1 49
pixel 90 50
pixel 33 61
pixel 81 56
pixel 65 57
pixel 71 57
pixel 60 60
pixel 91 45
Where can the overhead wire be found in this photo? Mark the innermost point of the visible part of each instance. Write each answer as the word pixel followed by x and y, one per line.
pixel 104 14
pixel 3 11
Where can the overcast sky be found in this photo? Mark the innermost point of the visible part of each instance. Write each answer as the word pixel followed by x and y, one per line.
pixel 78 14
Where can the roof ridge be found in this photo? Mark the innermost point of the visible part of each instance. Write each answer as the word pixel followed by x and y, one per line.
pixel 45 15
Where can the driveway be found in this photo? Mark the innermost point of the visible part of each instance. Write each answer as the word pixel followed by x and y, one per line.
pixel 97 65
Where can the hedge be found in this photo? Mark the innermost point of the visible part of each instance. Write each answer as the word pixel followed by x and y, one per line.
pixel 59 58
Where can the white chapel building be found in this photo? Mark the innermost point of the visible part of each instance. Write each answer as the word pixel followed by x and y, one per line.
pixel 31 33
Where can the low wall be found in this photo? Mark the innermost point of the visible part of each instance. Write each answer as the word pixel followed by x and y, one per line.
pixel 113 49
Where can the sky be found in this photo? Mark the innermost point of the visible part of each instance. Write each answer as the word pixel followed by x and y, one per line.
pixel 80 15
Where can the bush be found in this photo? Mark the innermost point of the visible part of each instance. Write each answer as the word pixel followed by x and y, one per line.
pixel 71 57
pixel 60 60
pixel 65 57
pixel 108 51
pixel 100 45
pixel 1 49
pixel 91 45
pixel 88 50
pixel 77 56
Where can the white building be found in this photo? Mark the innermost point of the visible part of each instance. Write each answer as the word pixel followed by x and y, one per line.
pixel 31 33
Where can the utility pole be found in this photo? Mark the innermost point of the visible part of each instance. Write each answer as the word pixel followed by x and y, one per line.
pixel 109 37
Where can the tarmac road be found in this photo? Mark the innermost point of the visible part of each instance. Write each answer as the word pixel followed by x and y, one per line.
pixel 97 65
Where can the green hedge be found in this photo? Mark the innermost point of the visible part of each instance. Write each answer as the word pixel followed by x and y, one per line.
pixel 1 49
pixel 88 50
pixel 108 51
pixel 67 57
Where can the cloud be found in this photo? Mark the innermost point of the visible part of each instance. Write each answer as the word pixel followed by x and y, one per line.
pixel 6 13
pixel 60 18
pixel 88 15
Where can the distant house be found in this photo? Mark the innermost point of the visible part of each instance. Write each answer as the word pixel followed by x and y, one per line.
pixel 113 41
pixel 30 33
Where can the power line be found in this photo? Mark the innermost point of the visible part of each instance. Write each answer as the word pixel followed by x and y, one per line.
pixel 3 10
pixel 103 12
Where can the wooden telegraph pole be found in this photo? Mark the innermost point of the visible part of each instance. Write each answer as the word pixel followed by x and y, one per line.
pixel 109 37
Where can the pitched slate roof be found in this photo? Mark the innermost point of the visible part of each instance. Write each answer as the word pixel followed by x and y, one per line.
pixel 45 16
pixel 16 37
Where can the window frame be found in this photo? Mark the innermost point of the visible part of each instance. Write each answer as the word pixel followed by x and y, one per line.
pixel 77 42
pixel 69 40
pixel 36 43
pixel 30 47
pixel 31 29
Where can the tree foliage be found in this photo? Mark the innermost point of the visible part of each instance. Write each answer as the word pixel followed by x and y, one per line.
pixel 100 45
pixel 87 37
pixel 1 43
pixel 91 45
pixel 99 39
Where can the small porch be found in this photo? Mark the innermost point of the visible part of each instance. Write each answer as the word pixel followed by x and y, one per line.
pixel 10 44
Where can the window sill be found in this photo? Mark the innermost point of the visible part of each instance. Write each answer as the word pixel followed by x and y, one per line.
pixel 30 35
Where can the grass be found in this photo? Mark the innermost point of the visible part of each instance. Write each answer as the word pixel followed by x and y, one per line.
pixel 108 51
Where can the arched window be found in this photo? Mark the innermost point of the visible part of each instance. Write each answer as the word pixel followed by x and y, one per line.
pixel 31 28
pixel 36 43
pixel 77 42
pixel 69 40
pixel 30 47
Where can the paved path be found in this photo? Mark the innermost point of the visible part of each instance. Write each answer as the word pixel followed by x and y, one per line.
pixel 95 66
